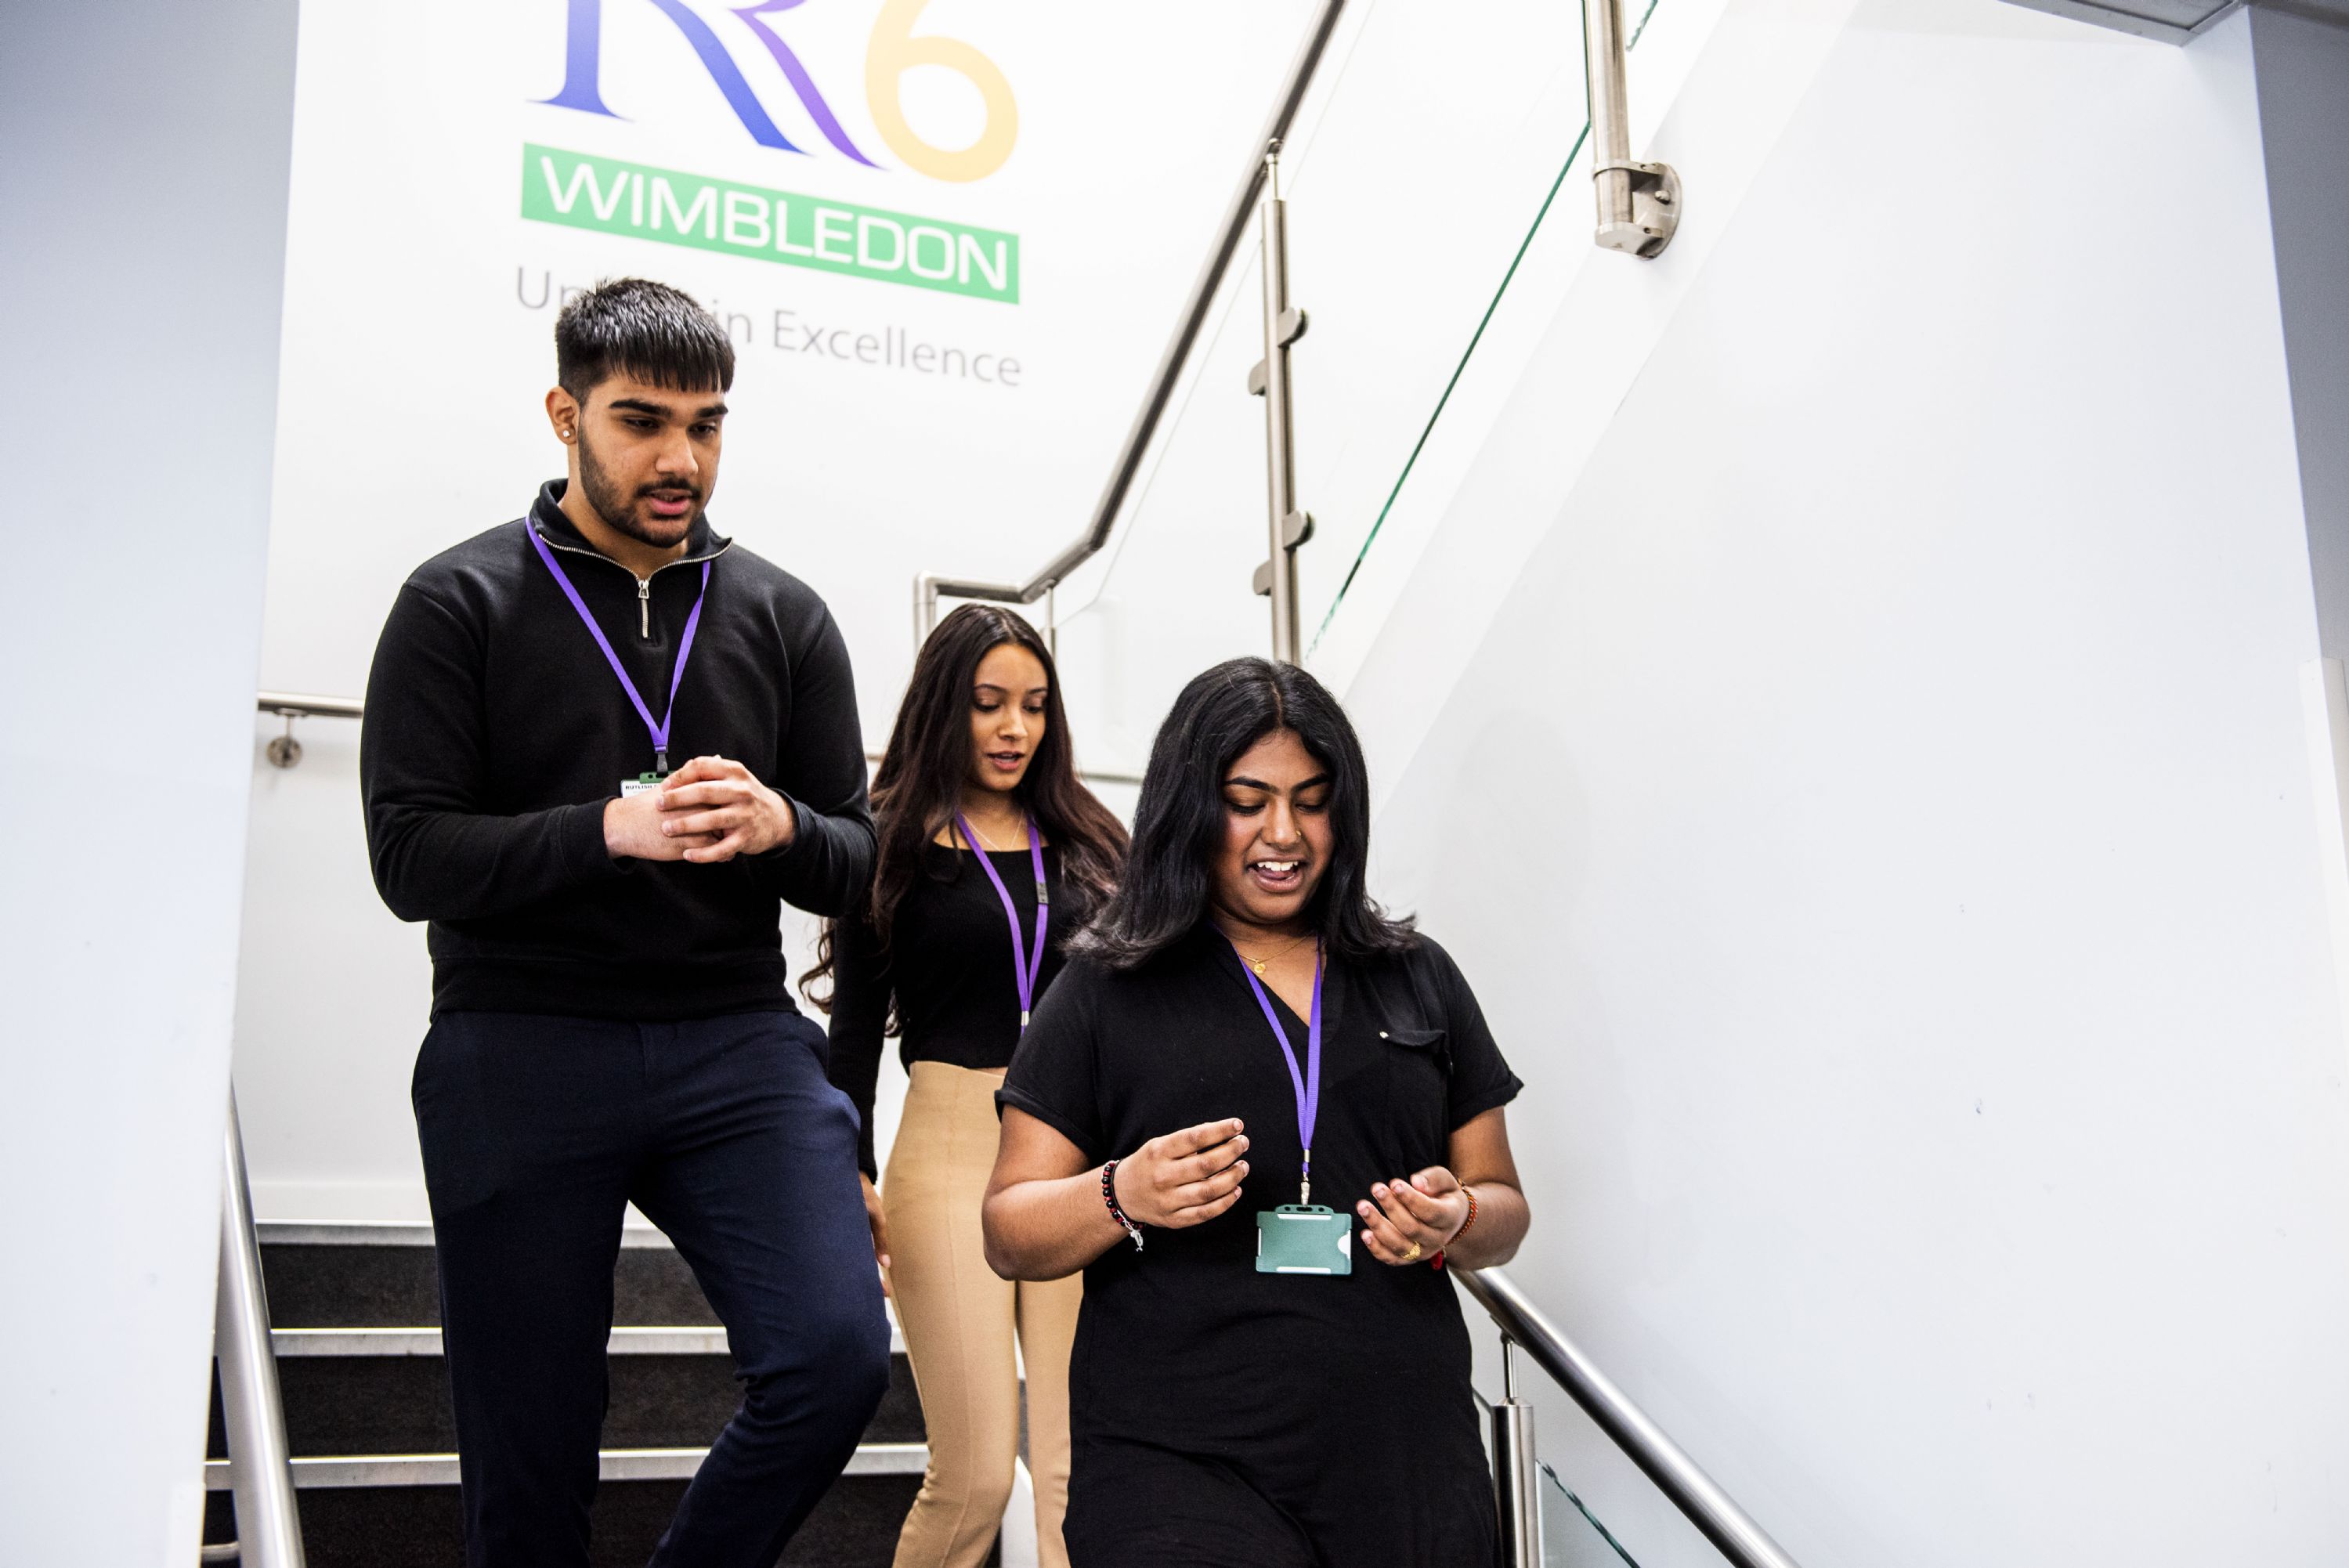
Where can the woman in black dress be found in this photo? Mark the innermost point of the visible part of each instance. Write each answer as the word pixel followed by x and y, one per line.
pixel 991 855
pixel 1247 1037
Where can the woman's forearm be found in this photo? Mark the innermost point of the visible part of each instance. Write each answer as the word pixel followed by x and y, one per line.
pixel 1501 1217
pixel 1047 1229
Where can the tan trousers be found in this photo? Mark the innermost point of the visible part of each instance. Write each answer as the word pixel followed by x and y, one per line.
pixel 959 1321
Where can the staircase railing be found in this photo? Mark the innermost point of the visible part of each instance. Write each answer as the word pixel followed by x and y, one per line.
pixel 261 1465
pixel 284 751
pixel 1637 207
pixel 930 587
pixel 1729 1528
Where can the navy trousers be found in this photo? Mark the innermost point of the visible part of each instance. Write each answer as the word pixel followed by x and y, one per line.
pixel 537 1132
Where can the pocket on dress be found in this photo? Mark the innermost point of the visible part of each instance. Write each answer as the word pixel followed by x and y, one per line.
pixel 1419 1082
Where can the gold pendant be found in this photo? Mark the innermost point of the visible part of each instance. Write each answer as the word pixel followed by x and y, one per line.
pixel 1257 964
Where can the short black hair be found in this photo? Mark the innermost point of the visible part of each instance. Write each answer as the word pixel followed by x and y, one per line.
pixel 646 331
pixel 1162 896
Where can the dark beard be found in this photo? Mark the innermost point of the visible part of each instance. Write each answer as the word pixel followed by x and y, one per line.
pixel 617 511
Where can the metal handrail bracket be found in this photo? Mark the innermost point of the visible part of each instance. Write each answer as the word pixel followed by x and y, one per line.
pixel 284 750
pixel 1696 1494
pixel 930 587
pixel 1638 203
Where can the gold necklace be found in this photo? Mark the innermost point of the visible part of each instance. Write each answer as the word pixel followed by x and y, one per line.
pixel 1260 965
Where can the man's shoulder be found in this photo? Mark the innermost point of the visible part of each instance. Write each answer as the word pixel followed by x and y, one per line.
pixel 771 584
pixel 488 562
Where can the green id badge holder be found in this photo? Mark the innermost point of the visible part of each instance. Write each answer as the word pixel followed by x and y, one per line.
pixel 1304 1238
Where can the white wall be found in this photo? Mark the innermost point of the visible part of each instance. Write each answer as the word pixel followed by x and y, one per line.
pixel 1878 815
pixel 145 184
pixel 413 372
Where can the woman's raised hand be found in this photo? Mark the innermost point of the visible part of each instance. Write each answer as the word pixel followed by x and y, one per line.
pixel 1184 1178
pixel 1411 1221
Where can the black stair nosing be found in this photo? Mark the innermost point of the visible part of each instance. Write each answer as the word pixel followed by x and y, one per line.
pixel 399 1404
pixel 855 1525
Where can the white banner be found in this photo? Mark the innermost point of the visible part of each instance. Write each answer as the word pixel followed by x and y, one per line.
pixel 947 236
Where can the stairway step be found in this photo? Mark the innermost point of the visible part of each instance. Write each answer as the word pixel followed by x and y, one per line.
pixel 855 1525
pixel 345 1471
pixel 372 1275
pixel 399 1403
pixel 360 1366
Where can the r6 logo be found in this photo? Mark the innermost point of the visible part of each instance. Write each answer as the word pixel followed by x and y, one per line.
pixel 893 50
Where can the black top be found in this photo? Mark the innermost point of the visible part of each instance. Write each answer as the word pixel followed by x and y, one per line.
pixel 495 732
pixel 1184 1346
pixel 948 969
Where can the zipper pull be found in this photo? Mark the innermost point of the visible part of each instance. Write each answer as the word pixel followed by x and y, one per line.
pixel 645 608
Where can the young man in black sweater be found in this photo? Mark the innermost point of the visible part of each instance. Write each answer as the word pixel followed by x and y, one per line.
pixel 601 745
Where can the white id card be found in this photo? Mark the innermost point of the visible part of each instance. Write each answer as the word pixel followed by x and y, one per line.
pixel 639 784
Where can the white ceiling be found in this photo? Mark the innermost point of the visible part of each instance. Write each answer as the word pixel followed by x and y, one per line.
pixel 2176 20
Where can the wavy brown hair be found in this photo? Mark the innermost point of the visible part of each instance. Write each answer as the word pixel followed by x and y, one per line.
pixel 917 787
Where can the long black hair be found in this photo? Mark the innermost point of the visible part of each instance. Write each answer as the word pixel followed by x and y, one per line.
pixel 1178 825
pixel 917 787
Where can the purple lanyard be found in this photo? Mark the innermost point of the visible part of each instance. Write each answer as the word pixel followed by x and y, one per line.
pixel 1307 1083
pixel 1025 965
pixel 684 651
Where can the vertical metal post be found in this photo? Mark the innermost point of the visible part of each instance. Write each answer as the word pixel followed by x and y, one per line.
pixel 1638 203
pixel 261 1468
pixel 1286 525
pixel 1516 1493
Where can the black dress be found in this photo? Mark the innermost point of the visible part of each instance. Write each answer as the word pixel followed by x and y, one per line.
pixel 946 972
pixel 1220 1416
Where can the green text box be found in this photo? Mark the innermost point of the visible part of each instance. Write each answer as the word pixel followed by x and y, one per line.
pixel 579 191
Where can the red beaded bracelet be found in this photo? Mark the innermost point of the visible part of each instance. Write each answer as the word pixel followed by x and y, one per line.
pixel 1437 1261
pixel 1109 1197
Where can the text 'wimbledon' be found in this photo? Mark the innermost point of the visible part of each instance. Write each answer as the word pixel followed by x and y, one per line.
pixel 609 197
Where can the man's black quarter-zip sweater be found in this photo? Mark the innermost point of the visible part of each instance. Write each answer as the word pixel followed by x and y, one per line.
pixel 495 732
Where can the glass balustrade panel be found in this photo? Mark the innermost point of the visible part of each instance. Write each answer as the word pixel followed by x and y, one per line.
pixel 1435 135
pixel 1571 1535
pixel 1536 189
pixel 1442 139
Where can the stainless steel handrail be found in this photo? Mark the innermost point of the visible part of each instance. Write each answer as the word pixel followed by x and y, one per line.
pixel 261 1467
pixel 930 587
pixel 297 704
pixel 294 704
pixel 1090 775
pixel 1729 1527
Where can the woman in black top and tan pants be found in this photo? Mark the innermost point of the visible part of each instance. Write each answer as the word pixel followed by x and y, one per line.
pixel 991 854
